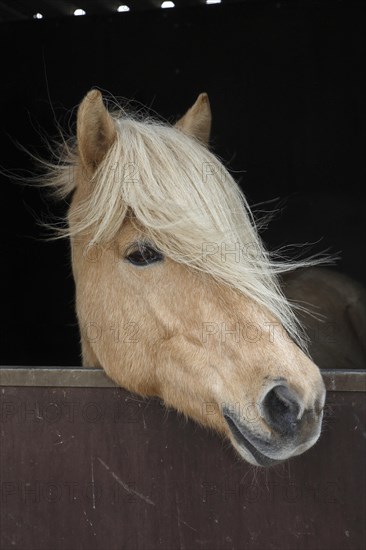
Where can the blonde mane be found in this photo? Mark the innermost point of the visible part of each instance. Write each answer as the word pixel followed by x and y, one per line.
pixel 188 205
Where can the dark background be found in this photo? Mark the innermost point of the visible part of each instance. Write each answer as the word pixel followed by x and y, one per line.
pixel 285 80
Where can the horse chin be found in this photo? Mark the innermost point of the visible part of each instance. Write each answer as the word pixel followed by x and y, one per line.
pixel 260 452
pixel 256 458
pixel 246 449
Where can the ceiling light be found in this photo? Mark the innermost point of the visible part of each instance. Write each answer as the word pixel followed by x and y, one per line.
pixel 79 12
pixel 37 16
pixel 123 8
pixel 168 4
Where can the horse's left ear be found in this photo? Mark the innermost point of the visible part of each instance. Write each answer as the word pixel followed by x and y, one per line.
pixel 197 120
pixel 96 130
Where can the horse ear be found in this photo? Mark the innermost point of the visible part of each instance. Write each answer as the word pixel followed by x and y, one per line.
pixel 96 130
pixel 197 120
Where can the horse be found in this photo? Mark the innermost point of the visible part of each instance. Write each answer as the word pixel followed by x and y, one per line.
pixel 337 335
pixel 176 295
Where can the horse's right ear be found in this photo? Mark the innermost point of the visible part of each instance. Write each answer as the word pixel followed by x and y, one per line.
pixel 96 130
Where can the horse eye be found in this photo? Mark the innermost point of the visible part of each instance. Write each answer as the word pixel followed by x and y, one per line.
pixel 144 255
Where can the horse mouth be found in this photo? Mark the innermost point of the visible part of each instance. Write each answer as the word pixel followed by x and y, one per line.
pixel 243 441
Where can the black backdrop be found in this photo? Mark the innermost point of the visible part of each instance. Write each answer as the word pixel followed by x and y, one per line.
pixel 285 82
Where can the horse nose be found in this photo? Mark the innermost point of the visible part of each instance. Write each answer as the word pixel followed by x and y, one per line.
pixel 282 409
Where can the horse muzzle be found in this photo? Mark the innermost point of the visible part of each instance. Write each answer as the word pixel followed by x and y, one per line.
pixel 290 429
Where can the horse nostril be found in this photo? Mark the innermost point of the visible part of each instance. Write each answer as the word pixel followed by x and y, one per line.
pixel 281 408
